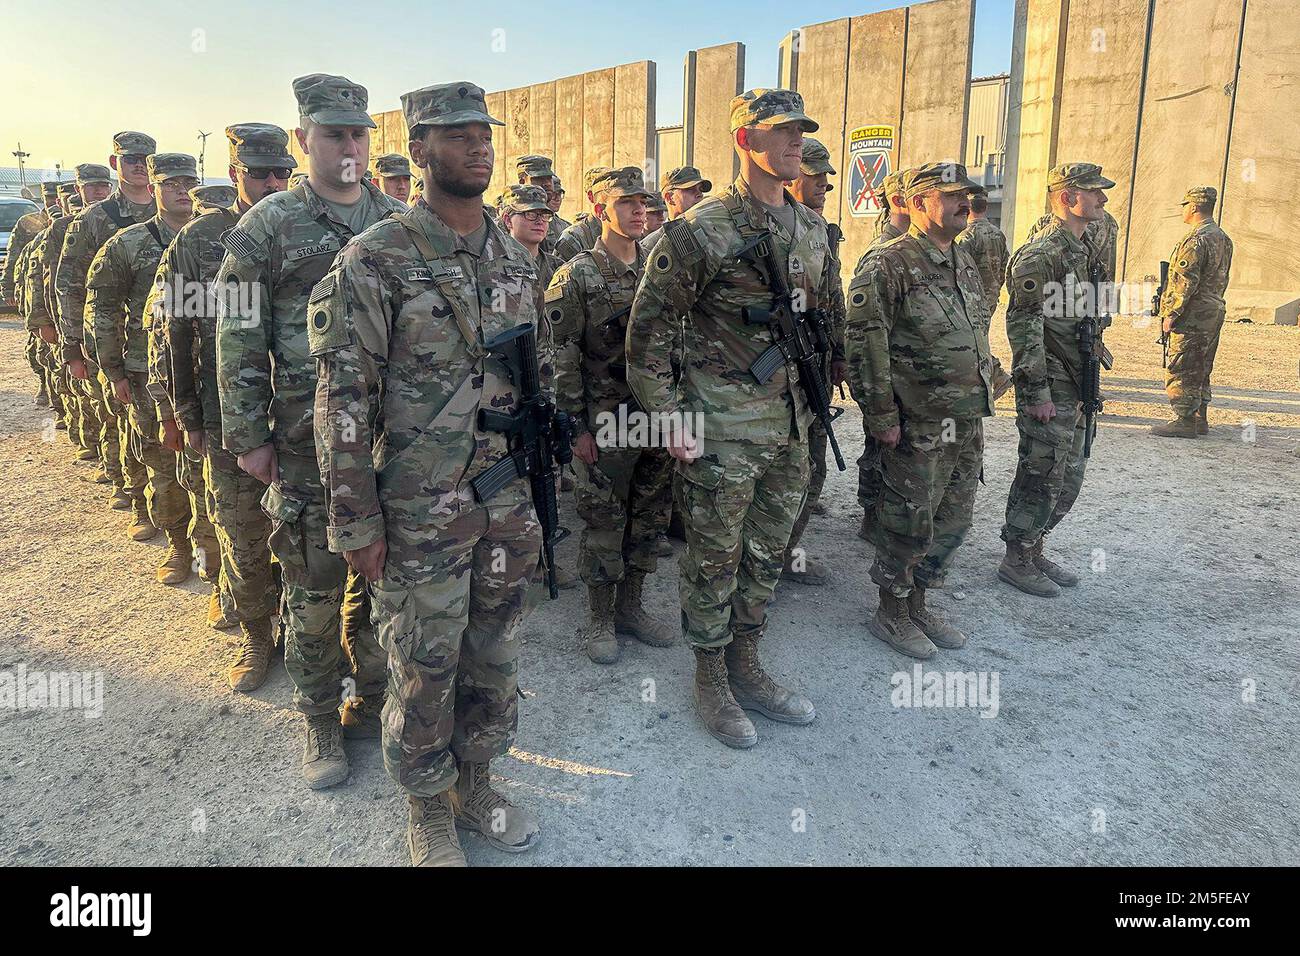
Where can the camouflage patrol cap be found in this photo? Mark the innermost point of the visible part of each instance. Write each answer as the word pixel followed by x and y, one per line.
pixel 945 177
pixel 50 189
pixel 891 185
pixel 816 158
pixel 538 167
pixel 446 104
pixel 591 175
pixel 93 173
pixel 1200 196
pixel 130 143
pixel 74 201
pixel 214 196
pixel 616 183
pixel 684 177
pixel 521 198
pixel 259 145
pixel 393 164
pixel 1077 176
pixel 770 108
pixel 332 100
pixel 164 166
pixel 656 203
pixel 65 189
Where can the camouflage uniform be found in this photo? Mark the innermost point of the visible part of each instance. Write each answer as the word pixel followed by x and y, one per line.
pixel 266 380
pixel 24 230
pixel 583 233
pixel 398 328
pixel 87 233
pixel 1198 276
pixel 1101 237
pixel 624 499
pixel 1046 367
pixel 984 242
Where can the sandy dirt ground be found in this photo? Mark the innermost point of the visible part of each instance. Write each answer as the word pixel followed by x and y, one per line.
pixel 1147 717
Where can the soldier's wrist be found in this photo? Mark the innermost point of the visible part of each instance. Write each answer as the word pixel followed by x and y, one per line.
pixel 354 534
pixel 882 421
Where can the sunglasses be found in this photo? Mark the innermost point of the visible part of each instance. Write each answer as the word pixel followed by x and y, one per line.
pixel 133 160
pixel 264 172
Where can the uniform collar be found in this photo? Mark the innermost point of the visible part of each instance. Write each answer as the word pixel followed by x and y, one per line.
pixel 617 265
pixel 445 241
pixel 935 255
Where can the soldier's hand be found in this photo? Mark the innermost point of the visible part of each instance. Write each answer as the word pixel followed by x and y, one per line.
pixel 684 447
pixel 584 446
pixel 197 440
pixel 1167 325
pixel 78 369
pixel 261 463
pixel 48 335
pixel 171 436
pixel 1044 412
pixel 839 367
pixel 369 561
pixel 122 389
pixel 889 437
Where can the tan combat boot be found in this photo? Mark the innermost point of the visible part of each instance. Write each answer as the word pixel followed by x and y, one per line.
pixel 100 476
pixel 142 528
pixel 598 637
pixel 87 454
pixel 893 625
pixel 564 578
pixel 482 809
pixel 431 832
pixel 360 716
pixel 1066 579
pixel 630 617
pixel 218 619
pixel 249 670
pixel 177 563
pixel 1019 570
pixel 802 569
pixel 323 761
pixel 208 553
pixel 119 500
pixel 715 702
pixel 1203 420
pixel 1184 426
pixel 939 631
pixel 754 689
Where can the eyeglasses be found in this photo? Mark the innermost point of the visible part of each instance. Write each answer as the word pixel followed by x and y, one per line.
pixel 265 172
pixel 179 183
pixel 133 159
pixel 536 215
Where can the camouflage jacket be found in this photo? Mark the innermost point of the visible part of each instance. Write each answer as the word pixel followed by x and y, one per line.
pixel 988 247
pixel 92 227
pixel 1041 322
pixel 836 313
pixel 889 233
pixel 1101 237
pixel 397 328
pixel 1198 277
pixel 29 294
pixel 581 235
pixel 587 306
pixel 554 230
pixel 917 334
pixel 120 278
pixel 183 359
pixel 695 271
pixel 20 276
pixel 24 231
pixel 49 264
pixel 266 377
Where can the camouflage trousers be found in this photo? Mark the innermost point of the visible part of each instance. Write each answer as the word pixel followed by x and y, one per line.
pixel 451 632
pixel 817 444
pixel 625 501
pixel 740 501
pixel 926 502
pixel 868 470
pixel 1191 359
pixel 1050 466
pixel 33 353
pixel 322 670
pixel 234 506
pixel 121 457
pixel 169 504
pixel 89 402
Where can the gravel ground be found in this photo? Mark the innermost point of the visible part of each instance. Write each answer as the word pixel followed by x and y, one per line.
pixel 1146 717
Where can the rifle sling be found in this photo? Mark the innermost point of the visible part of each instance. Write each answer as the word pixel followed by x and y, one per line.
pixel 446 284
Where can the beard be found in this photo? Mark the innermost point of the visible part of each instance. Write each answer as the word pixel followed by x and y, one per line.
pixel 448 183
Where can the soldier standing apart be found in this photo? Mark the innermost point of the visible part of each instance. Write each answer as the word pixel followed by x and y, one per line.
pixel 624 489
pixel 260 166
pixel 129 204
pixel 918 344
pixel 1045 274
pixel 394 176
pixel 1192 313
pixel 583 233
pixel 741 483
pixel 266 379
pixel 399 328
pixel 810 188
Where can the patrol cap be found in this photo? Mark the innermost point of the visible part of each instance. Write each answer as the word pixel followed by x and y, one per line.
pixel 816 159
pixel 521 198
pixel 1077 176
pixel 616 183
pixel 770 108
pixel 50 189
pixel 1200 196
pixel 164 166
pixel 684 177
pixel 891 185
pixel 945 177
pixel 656 202
pixel 332 100
pixel 538 167
pixel 130 143
pixel 393 164
pixel 214 196
pixel 74 201
pixel 93 173
pixel 591 175
pixel 66 188
pixel 258 145
pixel 446 104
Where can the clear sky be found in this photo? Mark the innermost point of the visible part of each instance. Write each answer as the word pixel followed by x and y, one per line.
pixel 171 69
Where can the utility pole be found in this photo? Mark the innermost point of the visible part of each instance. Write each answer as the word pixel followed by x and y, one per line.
pixel 203 148
pixel 22 175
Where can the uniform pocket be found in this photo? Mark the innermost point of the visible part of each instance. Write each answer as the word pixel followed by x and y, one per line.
pixel 286 540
